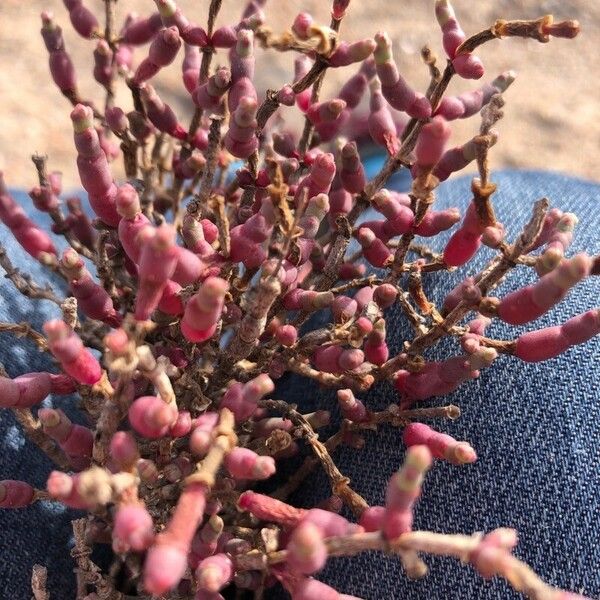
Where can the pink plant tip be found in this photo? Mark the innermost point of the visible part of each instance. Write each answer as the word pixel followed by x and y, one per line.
pixel 68 349
pixel 15 494
pixel 214 572
pixel 441 445
pixel 133 529
pixel 243 463
pixel 306 552
pixel 151 417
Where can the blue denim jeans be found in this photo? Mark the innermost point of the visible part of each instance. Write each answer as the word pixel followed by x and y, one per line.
pixel 535 428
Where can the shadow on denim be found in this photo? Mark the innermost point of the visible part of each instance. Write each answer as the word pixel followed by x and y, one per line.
pixel 535 427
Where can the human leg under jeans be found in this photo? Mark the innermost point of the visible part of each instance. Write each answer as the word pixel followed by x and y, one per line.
pixel 534 426
pixel 536 429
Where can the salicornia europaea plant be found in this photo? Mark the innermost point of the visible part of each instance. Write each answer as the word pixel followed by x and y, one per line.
pixel 196 274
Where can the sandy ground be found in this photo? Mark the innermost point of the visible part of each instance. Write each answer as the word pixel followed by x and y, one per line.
pixel 552 117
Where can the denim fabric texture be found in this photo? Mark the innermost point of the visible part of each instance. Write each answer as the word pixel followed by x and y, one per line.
pixel 536 429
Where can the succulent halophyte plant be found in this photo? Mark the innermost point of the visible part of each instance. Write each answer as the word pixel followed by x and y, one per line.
pixel 187 293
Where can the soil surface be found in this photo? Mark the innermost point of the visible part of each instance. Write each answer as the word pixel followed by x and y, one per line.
pixel 552 116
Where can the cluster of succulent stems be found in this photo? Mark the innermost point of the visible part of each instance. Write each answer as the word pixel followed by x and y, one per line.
pixel 195 276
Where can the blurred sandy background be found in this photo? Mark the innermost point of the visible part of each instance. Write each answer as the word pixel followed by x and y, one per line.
pixel 552 110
